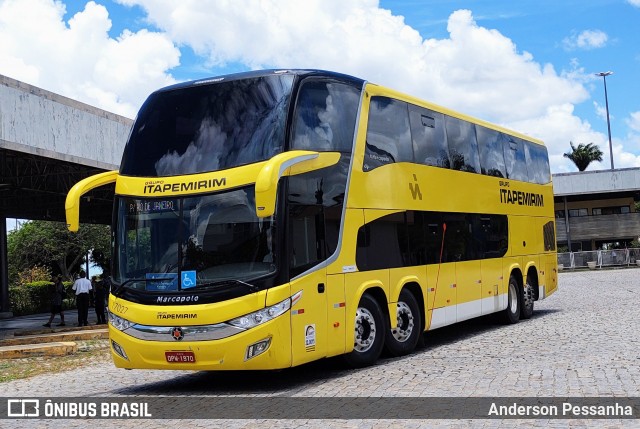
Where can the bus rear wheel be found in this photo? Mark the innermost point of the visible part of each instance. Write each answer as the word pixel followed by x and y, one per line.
pixel 527 302
pixel 512 312
pixel 369 331
pixel 402 339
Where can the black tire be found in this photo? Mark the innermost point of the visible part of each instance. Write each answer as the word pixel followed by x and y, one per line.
pixel 527 302
pixel 512 313
pixel 368 339
pixel 403 339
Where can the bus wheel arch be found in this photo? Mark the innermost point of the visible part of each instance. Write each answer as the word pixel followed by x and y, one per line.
pixel 529 293
pixel 369 330
pixel 404 338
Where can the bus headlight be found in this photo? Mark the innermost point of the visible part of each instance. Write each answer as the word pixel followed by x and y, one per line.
pixel 259 317
pixel 118 322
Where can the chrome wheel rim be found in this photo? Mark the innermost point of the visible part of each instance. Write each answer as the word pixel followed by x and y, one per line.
pixel 365 332
pixel 513 298
pixel 405 323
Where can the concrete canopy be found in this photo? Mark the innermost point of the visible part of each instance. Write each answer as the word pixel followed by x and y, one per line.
pixel 35 187
pixel 48 143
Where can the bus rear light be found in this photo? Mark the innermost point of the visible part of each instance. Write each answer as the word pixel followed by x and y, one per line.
pixel 119 350
pixel 258 348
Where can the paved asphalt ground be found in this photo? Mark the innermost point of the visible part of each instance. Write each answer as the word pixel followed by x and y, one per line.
pixel 35 322
pixel 583 341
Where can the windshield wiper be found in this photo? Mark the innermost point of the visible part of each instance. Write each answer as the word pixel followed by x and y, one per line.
pixel 228 282
pixel 121 285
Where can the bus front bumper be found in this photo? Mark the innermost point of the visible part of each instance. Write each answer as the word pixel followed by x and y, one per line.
pixel 266 346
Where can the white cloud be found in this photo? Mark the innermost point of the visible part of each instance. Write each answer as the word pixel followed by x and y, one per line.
pixel 601 111
pixel 635 3
pixel 78 58
pixel 588 39
pixel 475 70
pixel 634 119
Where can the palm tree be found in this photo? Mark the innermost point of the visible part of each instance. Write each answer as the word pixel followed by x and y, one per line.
pixel 583 155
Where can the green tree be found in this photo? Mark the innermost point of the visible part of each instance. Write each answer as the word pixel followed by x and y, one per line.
pixel 51 244
pixel 583 155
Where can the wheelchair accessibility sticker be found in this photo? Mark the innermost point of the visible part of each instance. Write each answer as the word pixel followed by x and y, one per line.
pixel 188 279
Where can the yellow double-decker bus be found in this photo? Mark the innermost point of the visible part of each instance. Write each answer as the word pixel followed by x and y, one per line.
pixel 267 219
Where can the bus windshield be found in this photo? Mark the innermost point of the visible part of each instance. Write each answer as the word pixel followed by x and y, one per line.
pixel 208 127
pixel 170 244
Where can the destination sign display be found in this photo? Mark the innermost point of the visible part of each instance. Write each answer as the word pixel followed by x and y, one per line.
pixel 152 206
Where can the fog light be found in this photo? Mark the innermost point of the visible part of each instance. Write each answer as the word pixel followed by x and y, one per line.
pixel 258 348
pixel 119 350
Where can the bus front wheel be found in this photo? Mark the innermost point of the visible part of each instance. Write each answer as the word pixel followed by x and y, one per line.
pixel 512 312
pixel 402 339
pixel 369 332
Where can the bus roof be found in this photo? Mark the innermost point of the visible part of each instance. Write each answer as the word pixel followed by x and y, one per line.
pixel 261 73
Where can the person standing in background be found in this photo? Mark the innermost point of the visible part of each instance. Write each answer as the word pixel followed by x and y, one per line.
pixel 100 295
pixel 56 295
pixel 82 286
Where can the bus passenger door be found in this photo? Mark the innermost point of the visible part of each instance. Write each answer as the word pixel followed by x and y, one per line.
pixel 306 251
pixel 469 287
pixel 442 294
pixel 441 273
pixel 459 249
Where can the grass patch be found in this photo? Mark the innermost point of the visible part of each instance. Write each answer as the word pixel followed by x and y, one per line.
pixel 89 353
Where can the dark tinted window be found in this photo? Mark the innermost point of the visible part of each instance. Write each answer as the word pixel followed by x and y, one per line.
pixel 208 127
pixel 490 236
pixel 429 140
pixel 490 144
pixel 538 163
pixel 434 229
pixel 388 133
pixel 463 147
pixel 306 229
pixel 325 116
pixel 578 212
pixel 549 233
pixel 457 238
pixel 382 243
pixel 416 238
pixel 515 159
pixel 315 212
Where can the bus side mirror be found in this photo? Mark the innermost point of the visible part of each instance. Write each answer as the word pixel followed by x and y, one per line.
pixel 72 204
pixel 286 164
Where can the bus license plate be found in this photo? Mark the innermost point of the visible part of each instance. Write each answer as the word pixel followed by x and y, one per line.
pixel 180 357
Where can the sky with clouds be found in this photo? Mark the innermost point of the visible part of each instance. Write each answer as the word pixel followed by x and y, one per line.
pixel 528 65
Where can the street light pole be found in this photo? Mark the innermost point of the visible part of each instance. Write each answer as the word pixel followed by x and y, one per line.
pixel 606 103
